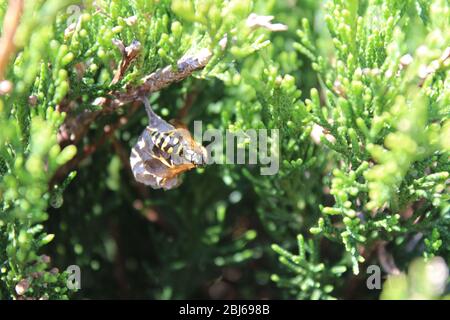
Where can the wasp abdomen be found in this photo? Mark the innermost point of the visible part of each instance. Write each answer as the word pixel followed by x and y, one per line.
pixel 166 141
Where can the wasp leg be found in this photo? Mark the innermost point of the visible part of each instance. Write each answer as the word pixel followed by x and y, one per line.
pixel 164 161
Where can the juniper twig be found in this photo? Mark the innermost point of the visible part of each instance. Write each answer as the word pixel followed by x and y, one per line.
pixel 90 149
pixel 75 128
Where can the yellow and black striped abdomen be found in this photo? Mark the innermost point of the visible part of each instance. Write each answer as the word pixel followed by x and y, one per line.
pixel 167 141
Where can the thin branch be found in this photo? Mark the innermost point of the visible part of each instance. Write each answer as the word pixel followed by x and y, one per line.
pixel 10 24
pixel 188 103
pixel 128 55
pixel 75 128
pixel 90 149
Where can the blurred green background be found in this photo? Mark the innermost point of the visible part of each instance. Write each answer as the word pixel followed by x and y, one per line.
pixel 377 192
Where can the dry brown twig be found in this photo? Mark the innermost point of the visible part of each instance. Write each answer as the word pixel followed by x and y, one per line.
pixel 386 259
pixel 128 55
pixel 76 127
pixel 188 103
pixel 10 25
pixel 108 132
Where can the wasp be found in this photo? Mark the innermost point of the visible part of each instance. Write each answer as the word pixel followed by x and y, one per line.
pixel 179 144
pixel 163 152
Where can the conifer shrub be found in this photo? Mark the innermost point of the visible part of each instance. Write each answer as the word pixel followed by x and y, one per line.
pixel 355 98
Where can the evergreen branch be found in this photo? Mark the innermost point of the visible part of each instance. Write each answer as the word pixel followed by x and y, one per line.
pixel 75 128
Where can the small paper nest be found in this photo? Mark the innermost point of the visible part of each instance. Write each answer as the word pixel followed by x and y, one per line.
pixel 146 168
pixel 145 159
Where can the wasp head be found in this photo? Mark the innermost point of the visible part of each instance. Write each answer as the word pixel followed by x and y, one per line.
pixel 196 155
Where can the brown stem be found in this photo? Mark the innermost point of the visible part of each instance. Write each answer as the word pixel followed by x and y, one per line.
pixel 10 24
pixel 151 213
pixel 90 149
pixel 188 103
pixel 76 127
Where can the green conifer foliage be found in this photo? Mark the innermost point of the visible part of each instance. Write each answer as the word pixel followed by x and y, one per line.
pixel 358 90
